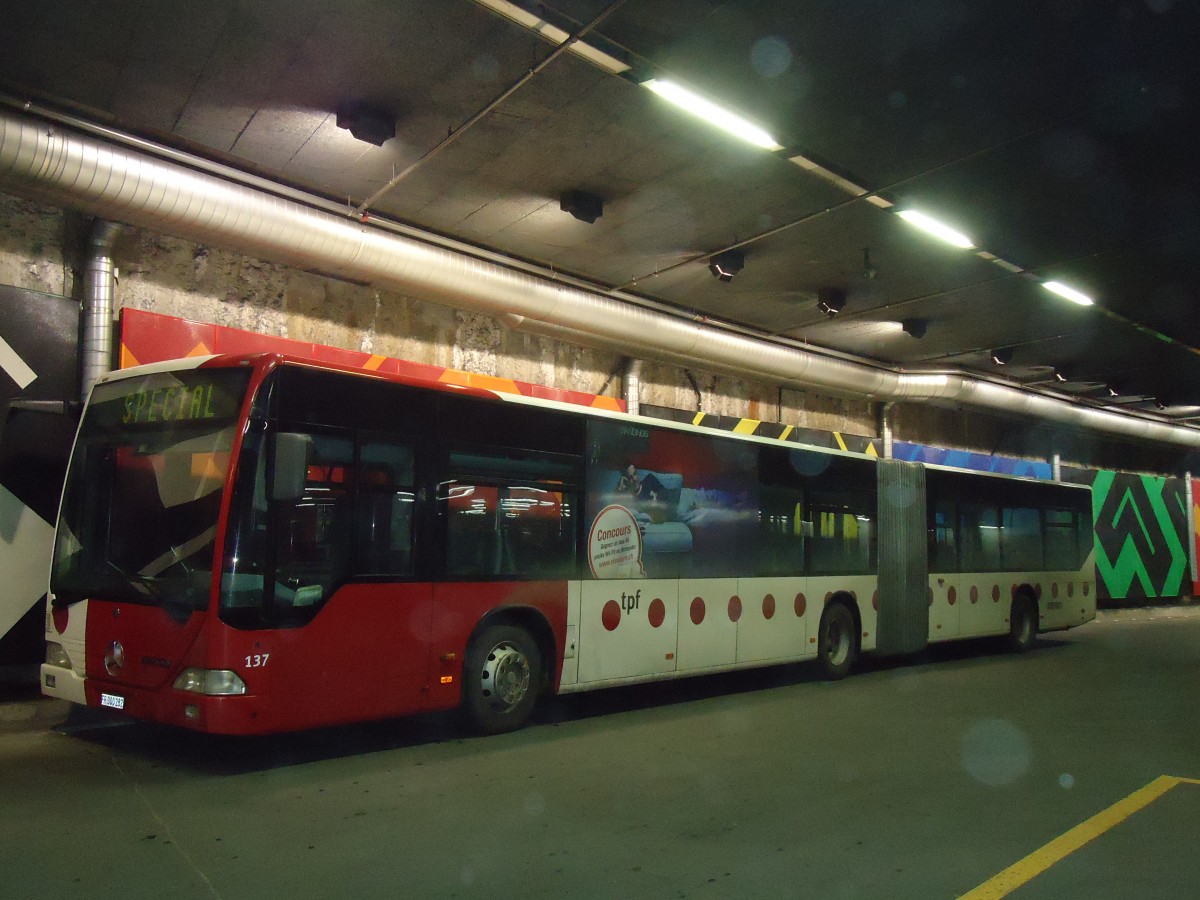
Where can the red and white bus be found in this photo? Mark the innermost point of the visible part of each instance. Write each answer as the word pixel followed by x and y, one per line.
pixel 260 543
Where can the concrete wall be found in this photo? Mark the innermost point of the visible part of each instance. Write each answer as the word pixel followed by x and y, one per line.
pixel 35 243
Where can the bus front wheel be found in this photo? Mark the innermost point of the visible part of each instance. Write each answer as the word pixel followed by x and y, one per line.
pixel 837 641
pixel 502 679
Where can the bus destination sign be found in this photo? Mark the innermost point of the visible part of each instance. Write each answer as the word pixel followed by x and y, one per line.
pixel 178 403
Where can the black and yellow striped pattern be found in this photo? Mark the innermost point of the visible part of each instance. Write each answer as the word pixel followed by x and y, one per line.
pixel 777 431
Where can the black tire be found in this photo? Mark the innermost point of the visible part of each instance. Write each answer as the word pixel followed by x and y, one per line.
pixel 501 679
pixel 1022 624
pixel 837 641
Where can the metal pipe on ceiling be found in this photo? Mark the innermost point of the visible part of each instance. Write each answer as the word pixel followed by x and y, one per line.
pixel 57 166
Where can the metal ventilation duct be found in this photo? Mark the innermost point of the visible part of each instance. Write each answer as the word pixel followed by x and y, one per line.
pixel 54 165
pixel 96 346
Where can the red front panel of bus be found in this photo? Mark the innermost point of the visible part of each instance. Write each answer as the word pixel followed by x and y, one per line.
pixel 365 655
pixel 129 645
pixel 374 651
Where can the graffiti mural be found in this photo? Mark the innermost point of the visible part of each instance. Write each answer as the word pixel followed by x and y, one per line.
pixel 37 363
pixel 965 459
pixel 1141 526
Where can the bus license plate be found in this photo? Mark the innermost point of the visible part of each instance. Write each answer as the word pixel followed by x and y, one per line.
pixel 112 700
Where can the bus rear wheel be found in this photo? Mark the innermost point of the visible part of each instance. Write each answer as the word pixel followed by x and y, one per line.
pixel 837 641
pixel 502 679
pixel 1022 624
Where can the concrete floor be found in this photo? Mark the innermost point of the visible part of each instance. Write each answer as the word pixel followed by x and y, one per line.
pixel 920 780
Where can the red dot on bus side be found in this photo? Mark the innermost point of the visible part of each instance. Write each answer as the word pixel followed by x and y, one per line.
pixel 995 593
pixel 1054 590
pixel 658 612
pixel 800 605
pixel 768 606
pixel 735 608
pixel 1070 589
pixel 61 615
pixel 875 601
pixel 952 596
pixel 611 615
pixel 697 611
pixel 1085 590
pixel 974 594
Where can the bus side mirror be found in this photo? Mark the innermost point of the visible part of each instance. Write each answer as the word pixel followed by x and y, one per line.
pixel 291 465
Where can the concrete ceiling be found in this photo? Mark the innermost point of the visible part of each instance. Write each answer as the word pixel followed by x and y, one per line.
pixel 1059 135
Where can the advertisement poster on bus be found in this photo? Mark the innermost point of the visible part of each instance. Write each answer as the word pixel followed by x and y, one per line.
pixel 666 504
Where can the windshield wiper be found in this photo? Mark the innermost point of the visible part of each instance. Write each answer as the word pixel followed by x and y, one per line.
pixel 143 583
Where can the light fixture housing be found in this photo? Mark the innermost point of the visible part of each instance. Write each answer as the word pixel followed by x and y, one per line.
pixel 915 326
pixel 940 230
pixel 1069 293
pixel 725 265
pixel 701 107
pixel 370 124
pixel 831 301
pixel 583 206
pixel 1002 356
pixel 556 35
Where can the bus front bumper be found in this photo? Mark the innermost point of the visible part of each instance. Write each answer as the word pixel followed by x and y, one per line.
pixel 63 684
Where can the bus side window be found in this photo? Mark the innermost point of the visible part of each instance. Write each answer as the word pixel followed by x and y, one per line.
pixel 509 512
pixel 1022 531
pixel 386 494
pixel 843 542
pixel 517 529
pixel 1061 540
pixel 312 541
pixel 979 530
pixel 945 546
pixel 781 531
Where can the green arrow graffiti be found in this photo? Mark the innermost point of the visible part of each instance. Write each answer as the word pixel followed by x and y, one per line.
pixel 1173 581
pixel 1118 575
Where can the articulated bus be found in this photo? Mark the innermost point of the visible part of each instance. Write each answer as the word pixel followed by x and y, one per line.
pixel 261 543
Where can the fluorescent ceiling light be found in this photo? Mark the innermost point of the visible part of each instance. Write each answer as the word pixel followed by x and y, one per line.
pixel 1057 287
pixel 932 226
pixel 555 35
pixel 713 114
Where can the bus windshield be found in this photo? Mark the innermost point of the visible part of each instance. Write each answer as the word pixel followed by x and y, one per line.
pixel 144 487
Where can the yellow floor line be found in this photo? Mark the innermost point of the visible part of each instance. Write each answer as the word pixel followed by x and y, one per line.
pixel 1019 873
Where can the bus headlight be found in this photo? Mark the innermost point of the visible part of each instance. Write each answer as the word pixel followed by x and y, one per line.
pixel 213 682
pixel 57 656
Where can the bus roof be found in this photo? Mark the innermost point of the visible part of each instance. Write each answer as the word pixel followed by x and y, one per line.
pixel 267 361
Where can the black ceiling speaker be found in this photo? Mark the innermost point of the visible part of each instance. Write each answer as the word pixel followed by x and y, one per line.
pixel 831 300
pixel 725 265
pixel 366 123
pixel 582 205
